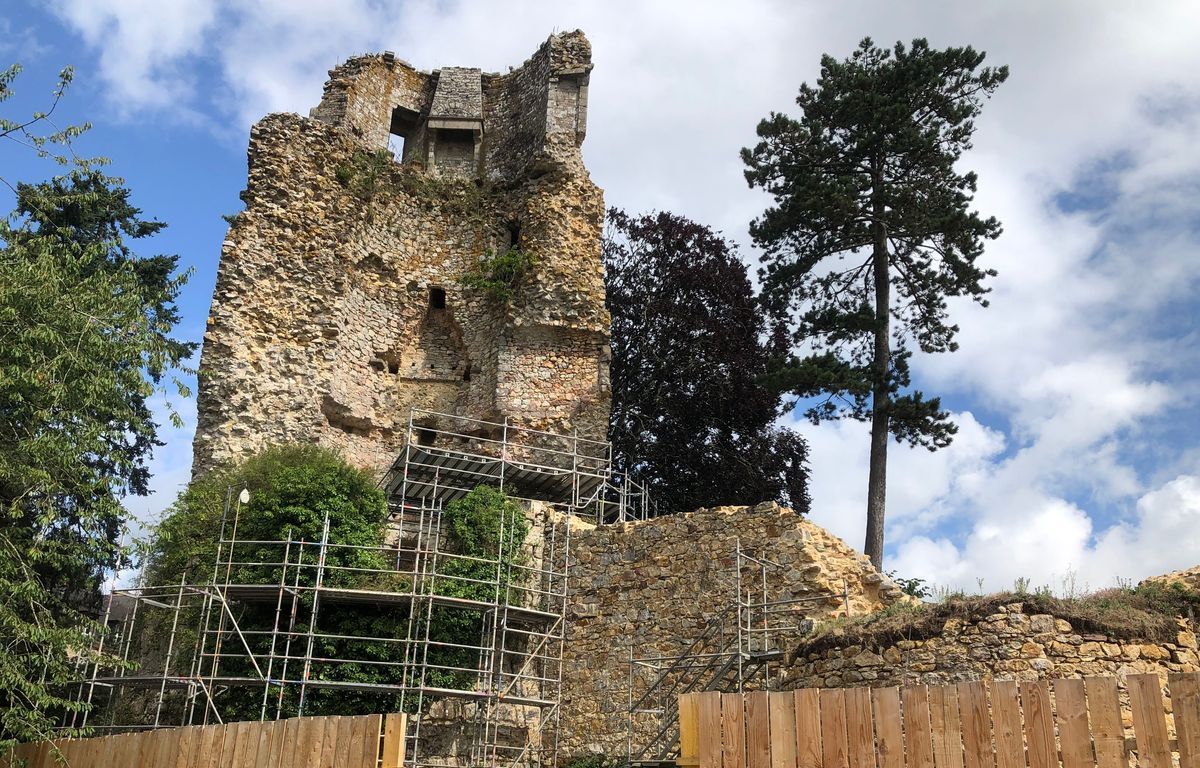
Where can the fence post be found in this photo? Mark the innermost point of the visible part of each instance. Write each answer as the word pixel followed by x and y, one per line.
pixel 393 740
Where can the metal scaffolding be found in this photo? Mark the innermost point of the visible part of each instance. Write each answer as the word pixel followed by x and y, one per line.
pixel 255 637
pixel 449 455
pixel 741 647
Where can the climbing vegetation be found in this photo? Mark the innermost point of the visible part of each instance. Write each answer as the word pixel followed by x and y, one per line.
pixel 293 489
pixel 500 274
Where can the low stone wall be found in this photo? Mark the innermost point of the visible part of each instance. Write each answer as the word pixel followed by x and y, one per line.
pixel 651 587
pixel 1009 644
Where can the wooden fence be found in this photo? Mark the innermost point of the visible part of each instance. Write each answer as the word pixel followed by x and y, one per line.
pixel 1000 724
pixel 369 741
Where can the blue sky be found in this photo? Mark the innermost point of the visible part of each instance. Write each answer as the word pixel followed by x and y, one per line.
pixel 1076 393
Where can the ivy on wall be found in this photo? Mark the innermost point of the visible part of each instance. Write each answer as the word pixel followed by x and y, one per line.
pixel 292 489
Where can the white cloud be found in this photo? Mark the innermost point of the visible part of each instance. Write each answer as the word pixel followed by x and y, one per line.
pixel 19 43
pixel 1087 156
pixel 1051 544
pixel 145 47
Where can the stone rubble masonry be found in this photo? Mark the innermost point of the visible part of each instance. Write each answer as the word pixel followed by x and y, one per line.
pixel 652 586
pixel 1009 645
pixel 326 324
pixel 1188 578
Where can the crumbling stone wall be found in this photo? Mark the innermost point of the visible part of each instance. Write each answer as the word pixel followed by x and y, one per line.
pixel 653 586
pixel 338 303
pixel 1009 644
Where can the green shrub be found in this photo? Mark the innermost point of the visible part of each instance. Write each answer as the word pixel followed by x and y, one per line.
pixel 1147 612
pixel 498 275
pixel 292 489
pixel 365 173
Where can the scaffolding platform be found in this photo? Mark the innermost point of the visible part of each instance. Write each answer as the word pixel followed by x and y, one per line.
pixel 445 475
pixel 263 593
pixel 261 620
pixel 450 455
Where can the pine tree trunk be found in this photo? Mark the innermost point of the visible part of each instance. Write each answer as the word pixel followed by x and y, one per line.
pixel 877 478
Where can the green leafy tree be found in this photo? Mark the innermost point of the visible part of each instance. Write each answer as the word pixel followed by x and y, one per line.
pixel 870 233
pixel 292 491
pixel 690 418
pixel 84 342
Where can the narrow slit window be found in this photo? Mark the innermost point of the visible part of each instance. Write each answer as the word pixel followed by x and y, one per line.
pixel 437 298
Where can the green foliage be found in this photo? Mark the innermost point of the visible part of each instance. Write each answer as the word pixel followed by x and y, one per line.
pixel 593 761
pixel 870 233
pixel 498 275
pixel 914 587
pixel 488 530
pixel 691 420
pixel 84 344
pixel 292 489
pixel 1147 612
pixel 488 525
pixel 366 173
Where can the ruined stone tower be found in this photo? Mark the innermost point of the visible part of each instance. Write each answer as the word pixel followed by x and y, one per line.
pixel 340 300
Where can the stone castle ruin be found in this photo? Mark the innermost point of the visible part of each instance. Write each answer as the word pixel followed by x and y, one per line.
pixel 340 301
pixel 349 312
pixel 417 274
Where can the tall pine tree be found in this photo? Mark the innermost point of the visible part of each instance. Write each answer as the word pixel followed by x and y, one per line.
pixel 870 232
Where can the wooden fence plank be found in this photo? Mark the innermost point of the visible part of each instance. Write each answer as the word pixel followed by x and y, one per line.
pixel 1149 721
pixel 1006 724
pixel 120 750
pixel 345 731
pixel 1185 708
pixel 733 731
pixel 860 728
pixel 807 703
pixel 282 751
pixel 329 740
pixel 1070 712
pixel 917 738
pixel 946 727
pixel 1039 725
pixel 834 749
pixel 144 749
pixel 171 748
pixel 219 739
pixel 254 737
pixel 782 709
pixel 229 746
pixel 394 726
pixel 185 747
pixel 709 716
pixel 314 741
pixel 84 753
pixel 888 730
pixel 266 737
pixel 152 748
pixel 247 742
pixel 358 737
pixel 1104 711
pixel 689 729
pixel 370 749
pixel 758 730
pixel 976 725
